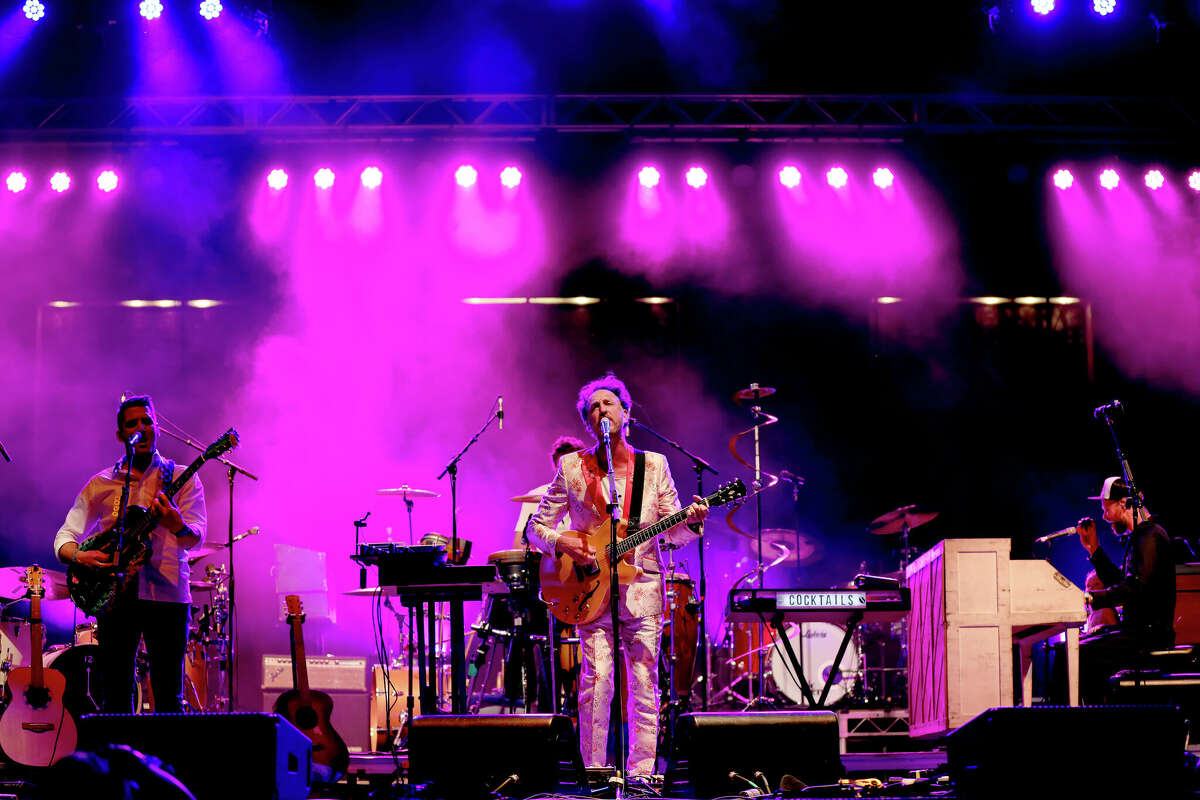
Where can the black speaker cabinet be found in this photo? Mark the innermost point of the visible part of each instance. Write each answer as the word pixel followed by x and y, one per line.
pixel 473 756
pixel 217 756
pixel 708 747
pixel 1098 751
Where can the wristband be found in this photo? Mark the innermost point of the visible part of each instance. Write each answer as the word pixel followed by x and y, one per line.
pixel 75 555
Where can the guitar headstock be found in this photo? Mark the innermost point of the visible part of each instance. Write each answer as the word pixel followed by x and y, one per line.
pixel 730 491
pixel 295 609
pixel 220 447
pixel 34 582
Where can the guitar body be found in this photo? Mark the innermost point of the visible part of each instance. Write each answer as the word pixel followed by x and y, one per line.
pixel 578 595
pixel 36 730
pixel 311 715
pixel 95 591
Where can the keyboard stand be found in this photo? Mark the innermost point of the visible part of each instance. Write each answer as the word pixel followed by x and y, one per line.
pixel 798 668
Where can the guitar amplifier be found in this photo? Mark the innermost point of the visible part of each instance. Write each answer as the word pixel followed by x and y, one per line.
pixel 343 679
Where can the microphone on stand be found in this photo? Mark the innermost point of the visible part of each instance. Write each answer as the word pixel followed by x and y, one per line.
pixel 605 428
pixel 500 410
pixel 1112 408
pixel 134 439
pixel 1071 531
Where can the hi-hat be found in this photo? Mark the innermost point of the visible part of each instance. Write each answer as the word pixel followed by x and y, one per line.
pixel 406 491
pixel 197 553
pixel 896 521
pixel 753 393
pixel 800 551
pixel 12 584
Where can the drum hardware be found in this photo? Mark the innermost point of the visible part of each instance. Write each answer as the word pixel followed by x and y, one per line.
pixel 800 549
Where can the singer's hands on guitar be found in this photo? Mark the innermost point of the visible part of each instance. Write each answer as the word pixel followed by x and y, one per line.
pixel 168 512
pixel 1086 528
pixel 697 511
pixel 580 550
pixel 95 559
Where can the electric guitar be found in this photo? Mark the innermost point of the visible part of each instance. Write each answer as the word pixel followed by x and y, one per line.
pixel 308 709
pixel 96 590
pixel 579 594
pixel 36 729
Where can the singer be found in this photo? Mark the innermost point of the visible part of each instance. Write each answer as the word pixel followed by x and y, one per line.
pixel 160 610
pixel 579 488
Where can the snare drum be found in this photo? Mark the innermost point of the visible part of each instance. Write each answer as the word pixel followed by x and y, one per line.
pixel 518 569
pixel 86 634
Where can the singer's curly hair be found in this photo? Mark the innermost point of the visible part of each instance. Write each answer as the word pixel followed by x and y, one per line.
pixel 143 400
pixel 610 382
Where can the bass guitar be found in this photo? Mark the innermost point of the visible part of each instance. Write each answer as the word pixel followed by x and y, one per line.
pixel 95 590
pixel 36 729
pixel 578 594
pixel 309 709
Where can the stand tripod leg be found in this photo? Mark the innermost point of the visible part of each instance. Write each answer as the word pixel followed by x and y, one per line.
pixel 851 624
pixel 805 689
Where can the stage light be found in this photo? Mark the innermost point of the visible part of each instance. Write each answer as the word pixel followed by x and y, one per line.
pixel 1104 7
pixel 649 177
pixel 211 9
pixel 1155 179
pixel 696 177
pixel 495 301
pixel 989 300
pixel 1064 301
pixel 277 179
pixel 1063 179
pixel 887 300
pixel 466 175
pixel 653 301
pixel 1029 300
pixel 323 178
pixel 203 303
pixel 106 181
pixel 883 177
pixel 1109 179
pixel 60 181
pixel 837 177
pixel 372 177
pixel 62 304
pixel 789 176
pixel 150 9
pixel 34 10
pixel 16 182
pixel 1042 7
pixel 1194 180
pixel 510 177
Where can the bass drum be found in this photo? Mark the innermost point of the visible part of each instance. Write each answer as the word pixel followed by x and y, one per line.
pixel 816 645
pixel 81 667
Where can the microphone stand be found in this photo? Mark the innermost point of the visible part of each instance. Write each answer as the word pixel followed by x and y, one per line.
pixel 452 470
pixel 699 465
pixel 1106 413
pixel 232 470
pixel 614 590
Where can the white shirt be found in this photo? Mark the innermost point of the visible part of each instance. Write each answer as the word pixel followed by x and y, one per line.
pixel 165 576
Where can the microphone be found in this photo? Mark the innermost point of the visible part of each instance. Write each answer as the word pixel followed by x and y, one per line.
pixel 134 439
pixel 1112 408
pixel 791 477
pixel 500 410
pixel 1071 531
pixel 605 427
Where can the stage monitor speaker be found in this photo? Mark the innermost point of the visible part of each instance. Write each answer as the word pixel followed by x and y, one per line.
pixel 217 756
pixel 1098 751
pixel 512 755
pixel 718 754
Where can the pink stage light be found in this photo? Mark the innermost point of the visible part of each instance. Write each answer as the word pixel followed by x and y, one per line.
pixel 1063 179
pixel 1104 7
pixel 696 177
pixel 1042 7
pixel 1194 180
pixel 1109 179
pixel 34 10
pixel 150 9
pixel 510 177
pixel 60 181
pixel 649 177
pixel 789 176
pixel 277 179
pixel 837 177
pixel 16 182
pixel 1155 179
pixel 106 181
pixel 323 178
pixel 883 177
pixel 466 175
pixel 211 9
pixel 372 177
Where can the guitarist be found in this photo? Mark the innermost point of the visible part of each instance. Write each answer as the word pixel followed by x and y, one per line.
pixel 157 605
pixel 579 489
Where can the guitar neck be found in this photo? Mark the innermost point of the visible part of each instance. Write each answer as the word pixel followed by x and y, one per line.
pixel 299 660
pixel 36 677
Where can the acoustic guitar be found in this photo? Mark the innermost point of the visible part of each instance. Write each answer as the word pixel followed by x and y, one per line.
pixel 579 594
pixel 36 729
pixel 309 709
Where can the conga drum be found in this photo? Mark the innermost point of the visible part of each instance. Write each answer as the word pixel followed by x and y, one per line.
pixel 681 628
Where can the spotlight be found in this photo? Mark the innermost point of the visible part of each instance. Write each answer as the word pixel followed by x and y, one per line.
pixel 323 178
pixel 466 175
pixel 1109 179
pixel 1155 179
pixel 372 177
pixel 649 177
pixel 789 176
pixel 696 177
pixel 34 10
pixel 1104 7
pixel 1042 7
pixel 106 181
pixel 60 181
pixel 150 9
pixel 211 9
pixel 883 177
pixel 510 177
pixel 1063 179
pixel 1194 180
pixel 277 179
pixel 837 177
pixel 16 182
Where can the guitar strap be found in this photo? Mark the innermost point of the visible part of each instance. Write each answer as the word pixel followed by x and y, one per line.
pixel 639 481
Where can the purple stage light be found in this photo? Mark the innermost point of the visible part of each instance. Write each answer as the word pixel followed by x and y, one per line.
pixel 372 177
pixel 34 10
pixel 60 181
pixel 106 181
pixel 649 177
pixel 1063 179
pixel 837 177
pixel 1109 179
pixel 466 175
pixel 1194 180
pixel 277 179
pixel 883 177
pixel 696 177
pixel 1104 7
pixel 1042 7
pixel 150 9
pixel 789 176
pixel 16 182
pixel 510 177
pixel 1155 179
pixel 211 9
pixel 323 178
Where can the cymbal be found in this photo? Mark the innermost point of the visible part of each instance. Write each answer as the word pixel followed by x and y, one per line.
pixel 12 583
pixel 754 392
pixel 197 553
pixel 406 491
pixel 532 496
pixel 203 586
pixel 774 539
pixel 895 521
